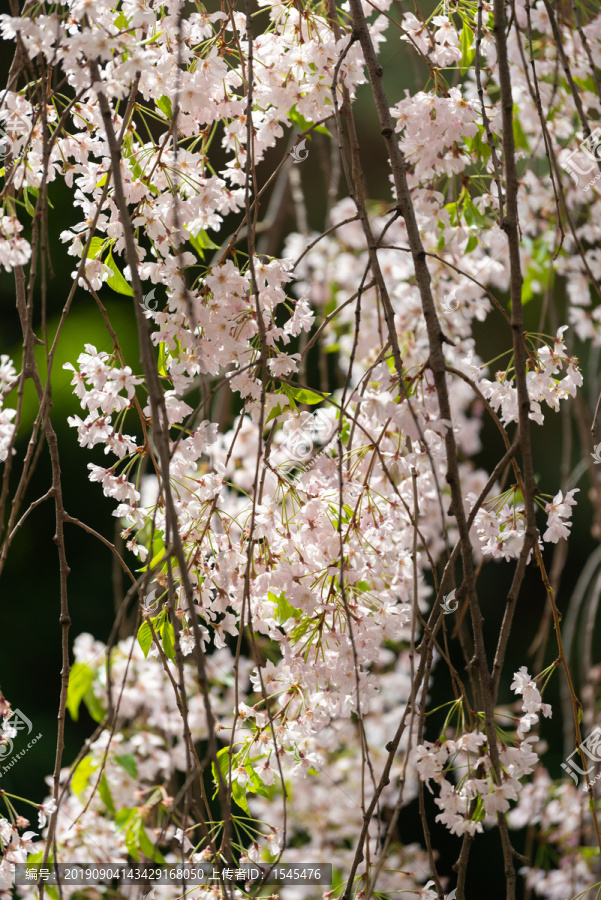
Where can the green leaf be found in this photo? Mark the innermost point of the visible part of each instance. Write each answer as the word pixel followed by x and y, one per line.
pixel 96 246
pixel 128 762
pixel 116 281
pixel 223 761
pixel 471 244
pixel 453 211
pixel 168 636
pixel 467 54
pixel 145 637
pixel 146 845
pixel 30 209
pixel 158 551
pixel 275 412
pixel 345 432
pixel 536 276
pixel 162 358
pixel 121 21
pixel 151 39
pixel 128 153
pixel 82 774
pixel 164 104
pixel 479 812
pixel 257 786
pixel 158 556
pixel 284 610
pixel 473 216
pixel 239 796
pixel 124 817
pixel 303 124
pixel 80 681
pixel 102 181
pixel 298 632
pixel 302 395
pixel 105 794
pixel 479 145
pixel 202 241
pixel 519 136
pixel 131 844
pixel 238 791
pixel 93 705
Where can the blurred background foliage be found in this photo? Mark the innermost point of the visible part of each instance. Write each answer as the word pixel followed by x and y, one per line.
pixel 30 658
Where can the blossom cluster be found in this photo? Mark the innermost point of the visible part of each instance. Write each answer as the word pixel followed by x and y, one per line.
pixel 8 376
pixel 478 793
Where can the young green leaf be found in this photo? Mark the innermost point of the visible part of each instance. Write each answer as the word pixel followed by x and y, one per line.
pixel 275 412
pixel 471 244
pixel 285 610
pixel 168 635
pixel 202 242
pixel 303 395
pixel 131 844
pixel 145 844
pixel 256 786
pixel 80 681
pixel 128 762
pixel 96 247
pixel 105 794
pixel 223 761
pixel 164 104
pixel 303 124
pixel 82 774
pixel 28 206
pixel 116 281
pixel 162 358
pixel 93 705
pixel 145 637
pixel 467 52
pixel 519 135
pixel 125 816
pixel 239 796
